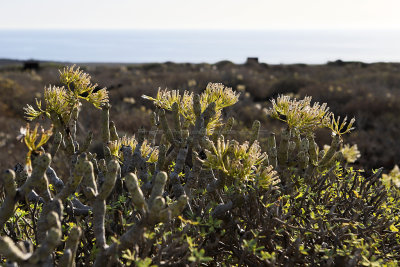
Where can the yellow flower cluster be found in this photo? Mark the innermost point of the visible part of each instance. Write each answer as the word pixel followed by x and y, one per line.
pixel 240 161
pixel 31 138
pixel 147 151
pixel 63 100
pixel 214 93
pixel 306 118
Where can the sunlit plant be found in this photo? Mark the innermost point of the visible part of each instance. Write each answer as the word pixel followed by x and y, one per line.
pixel 214 93
pixel 147 151
pixel 239 161
pixel 300 114
pixel 34 139
pixel 62 101
pixel 305 117
pixel 192 196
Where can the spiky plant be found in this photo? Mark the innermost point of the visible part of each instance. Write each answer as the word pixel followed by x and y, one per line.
pixel 194 197
pixel 62 101
pixel 187 107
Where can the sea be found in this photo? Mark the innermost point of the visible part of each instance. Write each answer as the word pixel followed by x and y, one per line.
pixel 197 46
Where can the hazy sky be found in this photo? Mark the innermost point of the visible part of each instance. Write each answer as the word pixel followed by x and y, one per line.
pixel 200 14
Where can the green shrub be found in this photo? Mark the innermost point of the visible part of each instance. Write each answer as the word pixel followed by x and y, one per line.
pixel 183 194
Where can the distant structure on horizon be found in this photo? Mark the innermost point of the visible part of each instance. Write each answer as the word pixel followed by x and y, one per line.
pixel 252 60
pixel 31 65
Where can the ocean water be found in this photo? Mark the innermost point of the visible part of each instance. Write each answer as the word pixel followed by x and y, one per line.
pixel 142 46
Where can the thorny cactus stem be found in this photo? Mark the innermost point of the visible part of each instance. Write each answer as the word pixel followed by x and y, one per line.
pixel 44 224
pixel 177 122
pixel 37 179
pixel 338 156
pixel 41 256
pixel 86 144
pixel 42 185
pixel 110 178
pixel 208 113
pixel 174 209
pixel 215 183
pixel 173 152
pixel 8 206
pixel 196 105
pixel 193 175
pixel 255 130
pixel 296 137
pixel 157 214
pixel 284 147
pixel 128 159
pixel 138 199
pixel 80 168
pixel 105 123
pixel 126 241
pixel 73 120
pixel 165 127
pixel 155 122
pixel 197 133
pixel 292 147
pixel 105 129
pixel 220 210
pixel 11 251
pixel 113 132
pixel 61 127
pixel 107 154
pixel 102 168
pixel 206 143
pixel 158 188
pixel 68 259
pixel 331 151
pixel 54 179
pixel 272 152
pixel 21 174
pixel 51 241
pixel 162 150
pixel 139 162
pixel 303 154
pixel 57 140
pixel 99 205
pixel 156 206
pixel 88 183
pixel 177 187
pixel 312 149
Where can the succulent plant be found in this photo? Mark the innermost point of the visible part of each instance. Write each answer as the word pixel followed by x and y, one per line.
pixel 193 196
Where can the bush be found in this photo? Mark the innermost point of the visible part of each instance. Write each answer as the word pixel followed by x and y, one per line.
pixel 182 193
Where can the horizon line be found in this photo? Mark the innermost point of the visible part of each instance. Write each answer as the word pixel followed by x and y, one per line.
pixel 208 29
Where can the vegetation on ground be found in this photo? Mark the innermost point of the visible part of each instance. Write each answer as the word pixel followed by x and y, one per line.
pixel 187 190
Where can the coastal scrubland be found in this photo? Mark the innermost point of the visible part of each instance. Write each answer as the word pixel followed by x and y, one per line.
pixel 368 92
pixel 192 165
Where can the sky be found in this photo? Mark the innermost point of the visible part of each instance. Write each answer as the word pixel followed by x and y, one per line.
pixel 200 14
